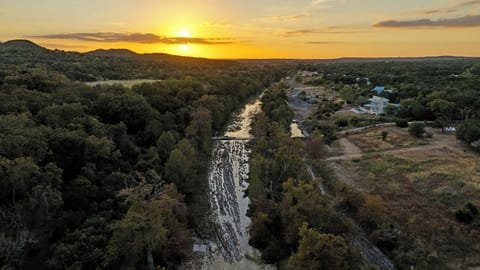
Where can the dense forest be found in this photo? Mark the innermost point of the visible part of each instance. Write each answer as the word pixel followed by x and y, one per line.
pixel 293 223
pixel 109 177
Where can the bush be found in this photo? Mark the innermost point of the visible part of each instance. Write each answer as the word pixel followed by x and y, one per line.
pixel 467 213
pixel 384 135
pixel 401 123
pixel 464 215
pixel 417 130
pixel 341 122
pixel 469 131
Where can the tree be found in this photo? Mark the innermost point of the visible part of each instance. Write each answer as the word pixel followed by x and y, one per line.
pixel 469 131
pixel 199 131
pixel 322 251
pixel 401 123
pixel 391 109
pixel 443 110
pixel 180 167
pixel 417 130
pixel 165 144
pixel 315 145
pixel 349 94
pixel 373 212
pixel 153 232
pixel 304 202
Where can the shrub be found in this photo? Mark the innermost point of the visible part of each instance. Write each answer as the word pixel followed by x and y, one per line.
pixel 417 130
pixel 341 122
pixel 401 123
pixel 464 215
pixel 384 135
pixel 467 213
pixel 469 131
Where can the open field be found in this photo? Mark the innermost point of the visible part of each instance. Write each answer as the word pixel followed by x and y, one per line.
pixel 126 83
pixel 423 183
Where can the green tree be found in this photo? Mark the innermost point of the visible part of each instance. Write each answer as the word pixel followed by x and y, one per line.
pixel 373 212
pixel 469 131
pixel 322 251
pixel 165 144
pixel 443 110
pixel 153 232
pixel 180 167
pixel 417 130
pixel 349 94
pixel 304 202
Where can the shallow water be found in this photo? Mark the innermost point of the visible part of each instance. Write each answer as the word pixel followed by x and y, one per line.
pixel 228 181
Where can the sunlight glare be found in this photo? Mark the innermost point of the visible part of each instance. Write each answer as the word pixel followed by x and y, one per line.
pixel 184 33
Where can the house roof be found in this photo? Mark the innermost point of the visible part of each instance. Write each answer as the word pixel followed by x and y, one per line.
pixel 379 89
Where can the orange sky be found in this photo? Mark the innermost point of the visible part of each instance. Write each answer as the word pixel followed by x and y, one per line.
pixel 250 28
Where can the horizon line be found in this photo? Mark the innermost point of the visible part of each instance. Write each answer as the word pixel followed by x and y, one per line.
pixel 252 58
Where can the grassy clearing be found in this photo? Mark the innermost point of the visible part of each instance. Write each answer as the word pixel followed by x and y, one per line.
pixel 371 139
pixel 422 190
pixel 125 83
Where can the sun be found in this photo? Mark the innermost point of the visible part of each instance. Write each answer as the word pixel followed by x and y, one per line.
pixel 184 48
pixel 184 33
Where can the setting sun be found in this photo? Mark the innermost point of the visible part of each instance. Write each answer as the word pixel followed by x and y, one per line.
pixel 184 33
pixel 254 29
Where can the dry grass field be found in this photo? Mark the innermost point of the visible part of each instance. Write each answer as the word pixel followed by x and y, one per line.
pixel 423 182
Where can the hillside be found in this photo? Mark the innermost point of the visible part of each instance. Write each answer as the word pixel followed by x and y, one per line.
pixel 113 64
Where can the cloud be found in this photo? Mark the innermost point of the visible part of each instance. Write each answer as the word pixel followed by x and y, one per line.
pixel 321 3
pixel 468 3
pixel 461 22
pixel 439 11
pixel 143 38
pixel 452 8
pixel 321 42
pixel 303 32
pixel 287 18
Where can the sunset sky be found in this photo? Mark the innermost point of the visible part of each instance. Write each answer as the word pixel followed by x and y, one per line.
pixel 250 28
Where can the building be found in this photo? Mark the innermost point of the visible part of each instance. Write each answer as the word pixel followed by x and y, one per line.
pixel 308 73
pixel 376 105
pixel 380 89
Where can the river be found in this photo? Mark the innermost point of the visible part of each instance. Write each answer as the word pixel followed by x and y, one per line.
pixel 228 181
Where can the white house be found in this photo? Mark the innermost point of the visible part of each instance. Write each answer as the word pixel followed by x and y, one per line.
pixel 377 105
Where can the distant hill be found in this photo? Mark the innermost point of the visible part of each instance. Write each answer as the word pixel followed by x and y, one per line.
pixel 113 53
pixel 101 64
pixel 21 44
pixel 156 57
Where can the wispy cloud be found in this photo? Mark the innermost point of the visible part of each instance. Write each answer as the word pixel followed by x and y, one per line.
pixel 322 3
pixel 461 22
pixel 303 32
pixel 439 11
pixel 322 42
pixel 468 3
pixel 144 38
pixel 287 18
pixel 451 8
